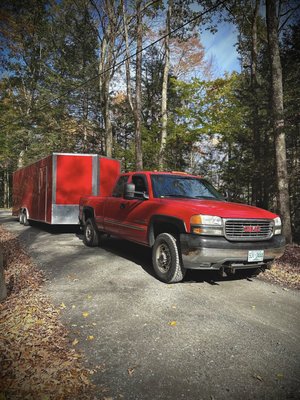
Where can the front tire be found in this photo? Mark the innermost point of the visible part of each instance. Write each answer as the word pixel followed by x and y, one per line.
pixel 91 234
pixel 166 259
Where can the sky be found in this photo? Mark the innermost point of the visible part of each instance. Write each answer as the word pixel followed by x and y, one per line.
pixel 221 47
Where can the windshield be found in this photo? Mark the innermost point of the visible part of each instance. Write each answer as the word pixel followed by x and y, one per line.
pixel 183 187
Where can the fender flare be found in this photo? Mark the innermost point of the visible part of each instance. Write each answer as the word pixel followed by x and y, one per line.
pixel 90 210
pixel 161 218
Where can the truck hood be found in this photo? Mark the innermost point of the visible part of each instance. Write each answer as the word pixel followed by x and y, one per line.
pixel 221 209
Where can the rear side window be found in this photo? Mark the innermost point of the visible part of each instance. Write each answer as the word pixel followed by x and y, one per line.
pixel 119 188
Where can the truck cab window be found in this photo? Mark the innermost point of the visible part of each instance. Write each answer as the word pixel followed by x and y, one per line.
pixel 184 187
pixel 140 185
pixel 119 188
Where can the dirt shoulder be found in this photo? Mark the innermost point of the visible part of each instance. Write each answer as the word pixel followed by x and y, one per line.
pixel 286 270
pixel 35 353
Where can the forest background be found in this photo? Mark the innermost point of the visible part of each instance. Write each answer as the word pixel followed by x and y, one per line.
pixel 130 79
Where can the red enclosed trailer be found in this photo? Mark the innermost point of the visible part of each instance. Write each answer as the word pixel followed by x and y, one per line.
pixel 49 189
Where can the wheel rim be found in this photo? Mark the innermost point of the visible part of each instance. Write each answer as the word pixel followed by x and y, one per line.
pixel 163 257
pixel 89 233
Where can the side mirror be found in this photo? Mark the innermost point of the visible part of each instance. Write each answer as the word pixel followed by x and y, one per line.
pixel 129 191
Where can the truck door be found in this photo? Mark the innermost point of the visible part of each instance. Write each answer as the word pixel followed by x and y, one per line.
pixel 42 194
pixel 126 217
pixel 136 215
pixel 114 207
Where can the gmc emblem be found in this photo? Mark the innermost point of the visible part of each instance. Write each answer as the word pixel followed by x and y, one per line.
pixel 251 229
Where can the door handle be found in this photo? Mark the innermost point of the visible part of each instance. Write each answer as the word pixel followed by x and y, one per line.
pixel 122 205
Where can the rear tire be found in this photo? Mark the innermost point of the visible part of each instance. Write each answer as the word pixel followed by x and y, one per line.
pixel 91 234
pixel 26 221
pixel 21 219
pixel 166 259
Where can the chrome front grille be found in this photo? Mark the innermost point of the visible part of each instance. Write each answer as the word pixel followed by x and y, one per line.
pixel 248 229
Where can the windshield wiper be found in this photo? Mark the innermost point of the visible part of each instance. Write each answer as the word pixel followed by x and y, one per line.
pixel 177 195
pixel 206 197
pixel 189 197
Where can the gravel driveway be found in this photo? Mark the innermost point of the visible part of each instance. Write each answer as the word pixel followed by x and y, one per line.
pixel 204 338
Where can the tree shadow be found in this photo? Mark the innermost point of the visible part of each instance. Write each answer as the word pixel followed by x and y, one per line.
pixel 42 226
pixel 55 229
pixel 137 254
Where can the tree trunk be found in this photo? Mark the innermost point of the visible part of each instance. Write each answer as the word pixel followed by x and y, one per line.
pixel 106 59
pixel 6 188
pixel 278 118
pixel 138 95
pixel 164 93
pixel 127 60
pixel 257 178
pixel 104 83
pixel 21 159
pixel 107 121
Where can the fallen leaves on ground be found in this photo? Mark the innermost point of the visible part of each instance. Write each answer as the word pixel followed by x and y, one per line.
pixel 37 361
pixel 131 370
pixel 285 271
pixel 258 377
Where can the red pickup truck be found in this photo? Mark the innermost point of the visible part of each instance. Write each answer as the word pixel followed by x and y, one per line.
pixel 186 222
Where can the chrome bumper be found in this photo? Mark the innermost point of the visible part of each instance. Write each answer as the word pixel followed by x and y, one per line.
pixel 215 252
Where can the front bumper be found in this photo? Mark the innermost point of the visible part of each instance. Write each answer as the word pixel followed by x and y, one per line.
pixel 207 252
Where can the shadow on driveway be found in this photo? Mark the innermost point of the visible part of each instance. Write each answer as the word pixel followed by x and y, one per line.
pixel 138 254
pixel 142 256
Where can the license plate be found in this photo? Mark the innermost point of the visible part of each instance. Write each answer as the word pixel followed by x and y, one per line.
pixel 255 255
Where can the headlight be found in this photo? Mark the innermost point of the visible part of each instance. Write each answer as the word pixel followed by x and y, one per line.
pixel 206 225
pixel 277 226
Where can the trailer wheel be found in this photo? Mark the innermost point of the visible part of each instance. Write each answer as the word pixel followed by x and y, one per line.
pixel 21 220
pixel 26 221
pixel 91 234
pixel 166 259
